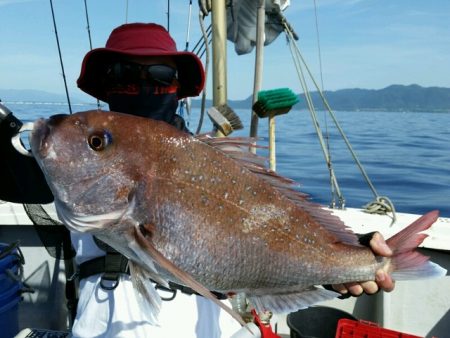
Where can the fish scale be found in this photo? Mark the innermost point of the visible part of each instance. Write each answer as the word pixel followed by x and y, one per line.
pixel 236 218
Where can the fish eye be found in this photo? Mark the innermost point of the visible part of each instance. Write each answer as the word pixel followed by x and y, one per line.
pixel 99 140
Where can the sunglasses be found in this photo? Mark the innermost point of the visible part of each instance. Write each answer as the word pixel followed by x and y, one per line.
pixel 127 72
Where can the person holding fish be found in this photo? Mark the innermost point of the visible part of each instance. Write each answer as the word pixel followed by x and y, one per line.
pixel 140 72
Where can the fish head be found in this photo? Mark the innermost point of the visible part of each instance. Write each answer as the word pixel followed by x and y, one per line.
pixel 88 161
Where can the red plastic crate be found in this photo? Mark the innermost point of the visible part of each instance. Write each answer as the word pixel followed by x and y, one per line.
pixel 348 328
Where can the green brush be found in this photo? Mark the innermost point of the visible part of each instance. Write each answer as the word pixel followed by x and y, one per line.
pixel 269 104
pixel 274 102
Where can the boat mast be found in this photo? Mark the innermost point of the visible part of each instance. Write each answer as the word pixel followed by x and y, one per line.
pixel 219 49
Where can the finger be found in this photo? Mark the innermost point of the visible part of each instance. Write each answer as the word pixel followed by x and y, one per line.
pixel 384 281
pixel 354 288
pixel 370 287
pixel 379 246
pixel 340 288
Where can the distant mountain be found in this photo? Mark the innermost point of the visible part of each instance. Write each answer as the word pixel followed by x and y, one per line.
pixel 392 98
pixel 29 95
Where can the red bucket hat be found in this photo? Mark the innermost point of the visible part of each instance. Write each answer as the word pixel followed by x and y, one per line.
pixel 140 39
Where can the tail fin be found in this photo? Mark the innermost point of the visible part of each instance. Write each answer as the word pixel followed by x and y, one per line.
pixel 408 264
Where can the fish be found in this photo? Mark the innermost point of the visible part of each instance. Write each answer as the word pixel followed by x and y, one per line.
pixel 206 213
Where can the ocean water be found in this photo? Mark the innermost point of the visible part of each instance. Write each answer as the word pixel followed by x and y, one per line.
pixel 405 154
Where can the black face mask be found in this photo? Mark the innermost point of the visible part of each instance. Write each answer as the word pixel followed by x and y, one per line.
pixel 148 101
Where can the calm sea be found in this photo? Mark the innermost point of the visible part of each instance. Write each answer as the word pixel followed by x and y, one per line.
pixel 406 155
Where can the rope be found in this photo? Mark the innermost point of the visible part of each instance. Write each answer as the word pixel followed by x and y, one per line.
pixel 381 206
pixel 318 43
pixel 327 135
pixel 60 57
pixel 200 48
pixel 295 52
pixel 341 131
pixel 380 203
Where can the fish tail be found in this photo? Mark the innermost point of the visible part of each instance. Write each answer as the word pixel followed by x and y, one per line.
pixel 406 263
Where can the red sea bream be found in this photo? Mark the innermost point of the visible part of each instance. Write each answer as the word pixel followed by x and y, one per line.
pixel 205 213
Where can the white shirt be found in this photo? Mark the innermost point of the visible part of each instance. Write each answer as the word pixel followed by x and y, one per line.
pixel 116 313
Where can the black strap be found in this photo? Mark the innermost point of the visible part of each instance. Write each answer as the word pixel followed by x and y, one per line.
pixel 173 287
pixel 113 264
pixel 110 263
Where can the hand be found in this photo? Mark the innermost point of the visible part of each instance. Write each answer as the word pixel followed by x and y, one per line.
pixel 382 279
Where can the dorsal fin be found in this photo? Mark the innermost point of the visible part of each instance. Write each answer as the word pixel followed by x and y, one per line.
pixel 238 148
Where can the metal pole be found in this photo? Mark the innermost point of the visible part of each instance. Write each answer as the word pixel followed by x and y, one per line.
pixel 272 143
pixel 189 26
pixel 89 35
pixel 168 16
pixel 260 23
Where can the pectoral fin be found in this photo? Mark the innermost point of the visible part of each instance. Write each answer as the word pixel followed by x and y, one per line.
pixel 179 274
pixel 147 296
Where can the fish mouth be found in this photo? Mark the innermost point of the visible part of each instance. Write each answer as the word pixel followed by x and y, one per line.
pixel 38 138
pixel 40 133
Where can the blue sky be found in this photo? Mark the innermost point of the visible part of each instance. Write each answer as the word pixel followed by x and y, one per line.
pixel 364 43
